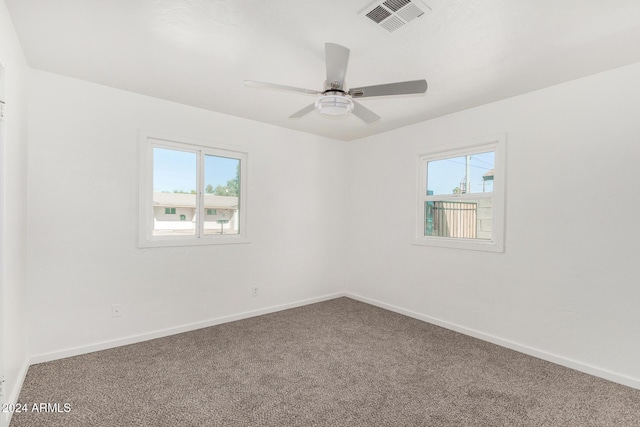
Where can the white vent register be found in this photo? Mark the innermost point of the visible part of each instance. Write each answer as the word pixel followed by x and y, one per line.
pixel 392 15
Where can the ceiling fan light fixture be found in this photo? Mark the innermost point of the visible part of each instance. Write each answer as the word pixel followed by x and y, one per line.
pixel 334 105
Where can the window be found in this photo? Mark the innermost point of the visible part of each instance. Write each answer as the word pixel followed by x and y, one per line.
pixel 461 196
pixel 183 183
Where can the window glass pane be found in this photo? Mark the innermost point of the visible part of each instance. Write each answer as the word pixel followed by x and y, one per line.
pixel 174 192
pixel 460 175
pixel 222 195
pixel 468 219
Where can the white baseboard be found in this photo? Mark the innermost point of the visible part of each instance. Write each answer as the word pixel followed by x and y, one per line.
pixel 15 390
pixel 540 354
pixel 132 339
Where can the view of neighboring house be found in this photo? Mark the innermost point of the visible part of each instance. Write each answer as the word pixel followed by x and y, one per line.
pixel 175 213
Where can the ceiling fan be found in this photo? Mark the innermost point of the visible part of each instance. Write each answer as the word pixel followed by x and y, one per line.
pixel 335 99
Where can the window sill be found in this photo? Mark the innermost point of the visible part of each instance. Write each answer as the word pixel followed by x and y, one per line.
pixel 163 242
pixel 466 244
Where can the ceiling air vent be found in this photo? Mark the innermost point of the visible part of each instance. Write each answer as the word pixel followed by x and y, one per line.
pixel 393 14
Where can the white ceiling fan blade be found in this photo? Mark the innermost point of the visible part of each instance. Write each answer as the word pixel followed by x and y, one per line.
pixel 305 110
pixel 400 88
pixel 263 85
pixel 337 59
pixel 364 113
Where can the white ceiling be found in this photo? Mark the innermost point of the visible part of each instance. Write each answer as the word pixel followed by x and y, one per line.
pixel 199 52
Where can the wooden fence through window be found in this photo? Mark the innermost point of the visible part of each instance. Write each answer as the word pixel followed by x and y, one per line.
pixel 453 219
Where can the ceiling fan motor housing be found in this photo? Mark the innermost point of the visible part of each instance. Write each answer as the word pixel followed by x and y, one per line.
pixel 333 85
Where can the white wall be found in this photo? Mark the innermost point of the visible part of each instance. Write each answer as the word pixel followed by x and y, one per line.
pixel 13 212
pixel 83 155
pixel 567 285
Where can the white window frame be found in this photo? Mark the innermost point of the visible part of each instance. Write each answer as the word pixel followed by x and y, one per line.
pixel 150 140
pixel 497 144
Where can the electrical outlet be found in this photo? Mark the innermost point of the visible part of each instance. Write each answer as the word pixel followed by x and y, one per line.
pixel 254 291
pixel 116 310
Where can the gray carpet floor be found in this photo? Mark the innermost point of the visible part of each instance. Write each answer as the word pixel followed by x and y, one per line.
pixel 335 363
